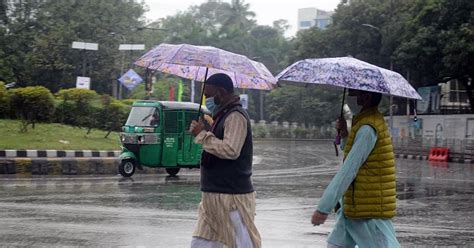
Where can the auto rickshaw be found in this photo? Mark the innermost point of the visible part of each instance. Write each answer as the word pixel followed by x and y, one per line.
pixel 156 135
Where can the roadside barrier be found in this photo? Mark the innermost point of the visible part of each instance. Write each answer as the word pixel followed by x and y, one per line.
pixel 439 154
pixel 65 166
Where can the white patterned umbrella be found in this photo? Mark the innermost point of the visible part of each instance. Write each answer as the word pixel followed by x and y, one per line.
pixel 200 62
pixel 348 72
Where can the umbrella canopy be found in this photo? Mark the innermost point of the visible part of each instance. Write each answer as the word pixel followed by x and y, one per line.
pixel 348 72
pixel 195 62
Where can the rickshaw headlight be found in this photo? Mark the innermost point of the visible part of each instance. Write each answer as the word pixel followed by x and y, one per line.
pixel 141 139
pixel 122 138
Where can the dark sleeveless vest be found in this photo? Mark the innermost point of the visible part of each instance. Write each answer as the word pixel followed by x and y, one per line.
pixel 225 175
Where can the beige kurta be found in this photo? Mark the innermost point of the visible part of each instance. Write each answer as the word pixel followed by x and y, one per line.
pixel 214 210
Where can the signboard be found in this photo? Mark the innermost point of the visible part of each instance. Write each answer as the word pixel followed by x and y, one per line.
pixel 83 82
pixel 130 79
pixel 244 100
pixel 85 45
pixel 132 47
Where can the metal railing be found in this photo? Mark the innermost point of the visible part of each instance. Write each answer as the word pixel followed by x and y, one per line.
pixel 459 149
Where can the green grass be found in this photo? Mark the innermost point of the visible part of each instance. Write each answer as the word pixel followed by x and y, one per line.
pixel 54 136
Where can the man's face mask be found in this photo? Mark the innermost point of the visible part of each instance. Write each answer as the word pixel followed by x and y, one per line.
pixel 352 103
pixel 211 105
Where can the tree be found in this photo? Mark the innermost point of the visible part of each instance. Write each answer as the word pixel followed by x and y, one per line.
pixel 302 104
pixel 161 88
pixel 239 16
pixel 4 100
pixel 440 34
pixel 39 36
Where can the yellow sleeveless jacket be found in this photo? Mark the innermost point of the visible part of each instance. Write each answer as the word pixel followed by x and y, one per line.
pixel 372 194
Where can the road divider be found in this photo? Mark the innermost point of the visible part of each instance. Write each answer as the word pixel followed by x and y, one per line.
pixel 64 166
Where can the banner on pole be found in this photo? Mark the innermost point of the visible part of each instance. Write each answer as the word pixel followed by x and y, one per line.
pixel 130 79
pixel 180 91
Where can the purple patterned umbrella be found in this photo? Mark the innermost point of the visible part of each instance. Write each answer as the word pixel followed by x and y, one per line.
pixel 348 72
pixel 195 62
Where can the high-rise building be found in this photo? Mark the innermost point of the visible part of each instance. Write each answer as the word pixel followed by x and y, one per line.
pixel 313 17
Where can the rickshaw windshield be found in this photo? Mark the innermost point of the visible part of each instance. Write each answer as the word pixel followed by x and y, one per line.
pixel 143 116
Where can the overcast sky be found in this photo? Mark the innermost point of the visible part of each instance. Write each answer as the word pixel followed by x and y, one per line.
pixel 267 10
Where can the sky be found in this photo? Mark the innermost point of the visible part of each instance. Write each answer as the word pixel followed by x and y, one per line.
pixel 267 11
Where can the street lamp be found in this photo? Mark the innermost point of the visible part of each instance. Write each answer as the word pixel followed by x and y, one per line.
pixel 84 82
pixel 260 95
pixel 391 68
pixel 125 47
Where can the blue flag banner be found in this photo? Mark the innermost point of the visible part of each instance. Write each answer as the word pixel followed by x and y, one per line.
pixel 130 79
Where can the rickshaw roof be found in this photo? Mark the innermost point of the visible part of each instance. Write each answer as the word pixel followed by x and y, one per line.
pixel 170 105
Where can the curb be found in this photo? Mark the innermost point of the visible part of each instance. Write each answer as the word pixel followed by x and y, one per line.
pixel 65 166
pixel 57 154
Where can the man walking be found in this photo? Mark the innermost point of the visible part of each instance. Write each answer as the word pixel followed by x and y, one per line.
pixel 364 189
pixel 227 208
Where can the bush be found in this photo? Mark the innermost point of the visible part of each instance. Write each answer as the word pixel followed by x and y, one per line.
pixel 77 109
pixel 76 95
pixel 279 132
pixel 113 115
pixel 65 113
pixel 32 104
pixel 301 133
pixel 259 131
pixel 128 102
pixel 4 101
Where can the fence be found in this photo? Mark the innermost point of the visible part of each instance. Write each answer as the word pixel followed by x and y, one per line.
pixel 294 130
pixel 460 150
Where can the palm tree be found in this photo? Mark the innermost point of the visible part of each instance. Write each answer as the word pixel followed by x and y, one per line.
pixel 239 15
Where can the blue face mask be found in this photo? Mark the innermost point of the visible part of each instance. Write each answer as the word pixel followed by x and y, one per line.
pixel 211 105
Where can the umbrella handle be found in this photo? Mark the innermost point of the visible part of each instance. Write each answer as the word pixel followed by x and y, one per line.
pixel 337 142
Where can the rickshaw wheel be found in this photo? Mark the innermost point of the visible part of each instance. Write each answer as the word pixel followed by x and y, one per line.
pixel 127 168
pixel 172 171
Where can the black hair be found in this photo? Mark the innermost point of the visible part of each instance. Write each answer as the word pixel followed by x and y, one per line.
pixel 375 99
pixel 221 80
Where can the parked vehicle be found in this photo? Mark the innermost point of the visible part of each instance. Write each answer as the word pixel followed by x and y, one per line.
pixel 156 135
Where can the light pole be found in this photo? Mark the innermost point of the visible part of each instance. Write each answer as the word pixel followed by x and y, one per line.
pixel 390 109
pixel 125 47
pixel 115 84
pixel 84 82
pixel 260 95
pixel 148 75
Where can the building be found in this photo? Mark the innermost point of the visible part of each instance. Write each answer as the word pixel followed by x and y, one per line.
pixel 313 17
pixel 445 98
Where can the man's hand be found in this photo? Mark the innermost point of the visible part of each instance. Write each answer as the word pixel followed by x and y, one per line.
pixel 318 218
pixel 196 127
pixel 208 119
pixel 341 127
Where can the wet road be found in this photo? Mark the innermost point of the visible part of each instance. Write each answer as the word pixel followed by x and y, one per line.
pixel 435 206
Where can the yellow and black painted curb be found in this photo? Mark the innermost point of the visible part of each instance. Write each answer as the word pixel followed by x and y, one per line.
pixel 64 166
pixel 58 154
